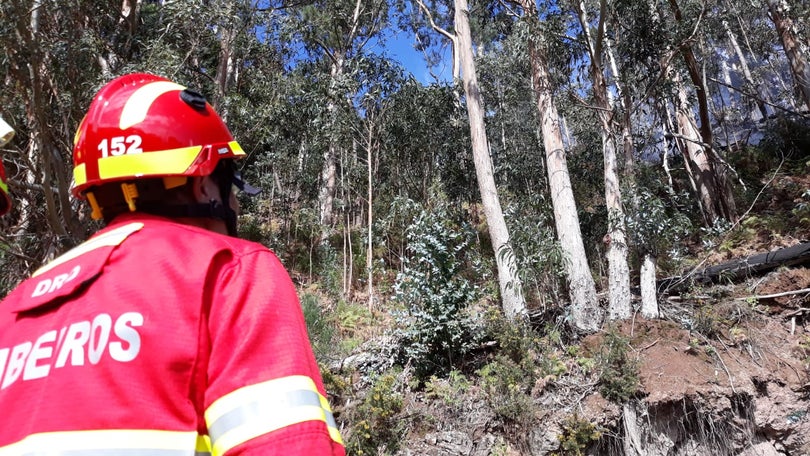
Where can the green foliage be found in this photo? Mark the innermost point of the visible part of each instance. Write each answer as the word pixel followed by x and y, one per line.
pixel 448 390
pixel 786 137
pixel 522 359
pixel 378 429
pixel 320 327
pixel 707 321
pixel 541 264
pixel 656 224
pixel 435 329
pixel 577 435
pixel 507 390
pixel 352 321
pixel 619 379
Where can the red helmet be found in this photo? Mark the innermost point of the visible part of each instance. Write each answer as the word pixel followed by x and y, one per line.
pixel 145 126
pixel 5 201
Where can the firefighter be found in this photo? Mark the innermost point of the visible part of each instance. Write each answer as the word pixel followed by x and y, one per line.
pixel 163 334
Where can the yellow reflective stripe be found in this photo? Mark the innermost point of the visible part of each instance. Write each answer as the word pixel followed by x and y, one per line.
pixel 255 410
pixel 330 421
pixel 109 441
pixel 236 148
pixel 141 100
pixel 108 239
pixel 3 185
pixel 79 174
pixel 203 444
pixel 165 162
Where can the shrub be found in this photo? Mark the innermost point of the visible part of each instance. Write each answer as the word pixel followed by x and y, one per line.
pixel 321 329
pixel 619 380
pixel 449 391
pixel 509 377
pixel 507 390
pixel 435 329
pixel 379 429
pixel 578 434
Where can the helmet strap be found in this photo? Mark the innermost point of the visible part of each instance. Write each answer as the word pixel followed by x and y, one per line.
pixel 224 175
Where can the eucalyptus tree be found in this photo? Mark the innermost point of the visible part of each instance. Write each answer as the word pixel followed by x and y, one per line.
pixel 49 54
pixel 711 178
pixel 585 311
pixel 731 22
pixel 335 33
pixel 618 269
pixel 55 58
pixel 422 162
pixel 782 13
pixel 512 298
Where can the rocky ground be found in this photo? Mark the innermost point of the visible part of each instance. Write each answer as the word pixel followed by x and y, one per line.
pixel 725 371
pixel 740 386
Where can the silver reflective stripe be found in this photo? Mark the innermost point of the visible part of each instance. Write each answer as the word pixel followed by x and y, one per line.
pixel 262 408
pixel 266 410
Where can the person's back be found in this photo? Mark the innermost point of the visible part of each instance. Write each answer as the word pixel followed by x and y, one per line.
pixel 158 337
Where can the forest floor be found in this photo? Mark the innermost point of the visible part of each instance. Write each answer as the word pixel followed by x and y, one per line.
pixel 725 371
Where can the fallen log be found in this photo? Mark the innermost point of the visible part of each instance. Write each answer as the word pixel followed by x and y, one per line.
pixel 739 269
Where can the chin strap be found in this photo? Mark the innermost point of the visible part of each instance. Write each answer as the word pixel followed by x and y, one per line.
pixel 145 195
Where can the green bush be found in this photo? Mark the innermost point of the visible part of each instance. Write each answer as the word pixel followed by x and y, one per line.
pixel 619 380
pixel 523 357
pixel 578 434
pixel 379 430
pixel 435 329
pixel 508 390
pixel 450 390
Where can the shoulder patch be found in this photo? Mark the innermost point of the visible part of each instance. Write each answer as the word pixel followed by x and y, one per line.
pixel 64 275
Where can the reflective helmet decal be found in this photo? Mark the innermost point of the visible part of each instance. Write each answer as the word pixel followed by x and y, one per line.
pixel 141 100
pixel 145 126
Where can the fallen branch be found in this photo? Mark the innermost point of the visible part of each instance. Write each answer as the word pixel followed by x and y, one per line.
pixel 775 295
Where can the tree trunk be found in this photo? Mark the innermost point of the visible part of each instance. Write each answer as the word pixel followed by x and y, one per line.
pixel 46 165
pixel 585 312
pixel 649 298
pixel 696 153
pixel 712 177
pixel 798 64
pixel 370 144
pixel 225 67
pixel 761 91
pixel 326 194
pixel 647 276
pixel 514 305
pixel 619 306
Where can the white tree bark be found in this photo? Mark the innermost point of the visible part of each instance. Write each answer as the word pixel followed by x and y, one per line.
pixel 761 90
pixel 514 304
pixel 619 305
pixel 586 316
pixel 632 432
pixel 326 193
pixel 698 166
pixel 649 298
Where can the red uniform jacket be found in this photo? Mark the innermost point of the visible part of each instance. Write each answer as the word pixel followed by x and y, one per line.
pixel 157 338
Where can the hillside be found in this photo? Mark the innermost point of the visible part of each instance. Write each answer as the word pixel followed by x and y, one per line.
pixel 725 371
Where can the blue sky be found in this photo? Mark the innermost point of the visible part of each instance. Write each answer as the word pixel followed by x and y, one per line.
pixel 399 46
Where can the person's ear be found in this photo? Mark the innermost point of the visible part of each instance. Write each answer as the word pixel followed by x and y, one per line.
pixel 204 189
